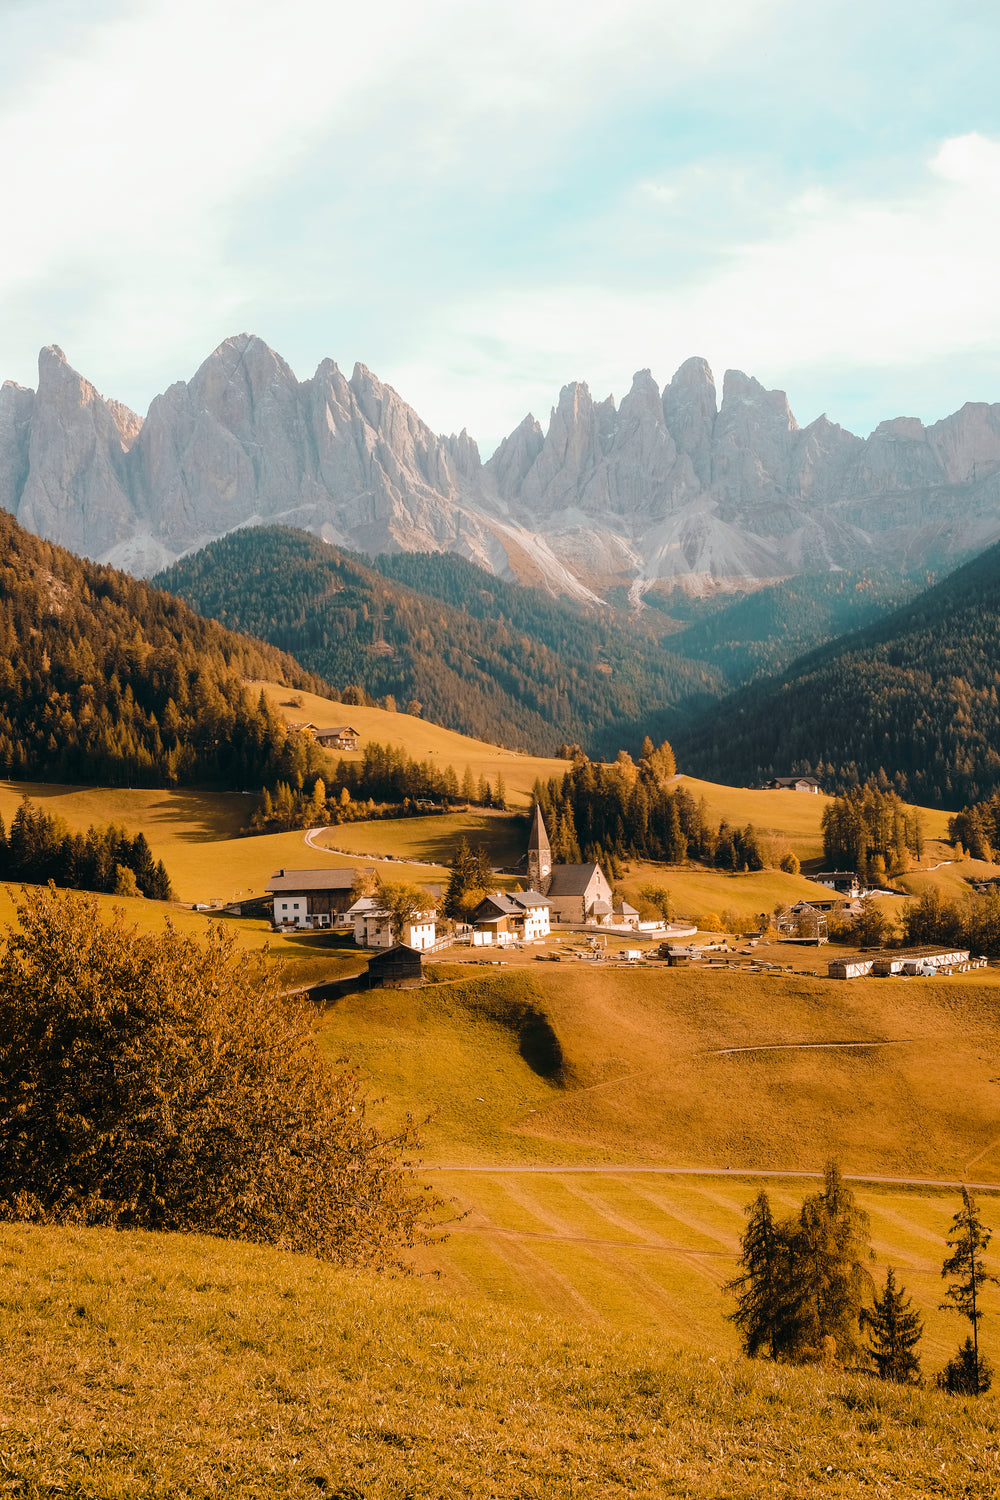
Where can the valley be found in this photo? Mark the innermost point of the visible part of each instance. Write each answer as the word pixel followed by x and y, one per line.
pixel 594 1191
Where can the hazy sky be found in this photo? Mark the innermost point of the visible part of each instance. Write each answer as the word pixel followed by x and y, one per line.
pixel 483 202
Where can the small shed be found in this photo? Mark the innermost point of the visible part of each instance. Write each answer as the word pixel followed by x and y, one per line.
pixel 850 968
pixel 396 968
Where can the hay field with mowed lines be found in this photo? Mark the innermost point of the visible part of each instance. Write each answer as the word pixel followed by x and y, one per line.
pixel 562 1097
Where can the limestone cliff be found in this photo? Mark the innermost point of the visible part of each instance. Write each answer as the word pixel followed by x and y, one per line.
pixel 667 484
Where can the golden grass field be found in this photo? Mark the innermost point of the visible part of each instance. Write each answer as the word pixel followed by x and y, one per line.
pixel 143 1367
pixel 562 1219
pixel 574 1340
pixel 420 739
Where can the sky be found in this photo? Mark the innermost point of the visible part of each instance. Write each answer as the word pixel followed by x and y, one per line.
pixel 483 202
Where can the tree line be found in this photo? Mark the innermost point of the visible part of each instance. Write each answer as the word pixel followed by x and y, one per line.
pixel 805 1293
pixel 869 829
pixel 608 812
pixel 106 679
pixel 39 848
pixel 386 782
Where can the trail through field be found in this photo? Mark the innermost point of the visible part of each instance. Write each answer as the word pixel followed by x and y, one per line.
pixel 611 1171
pixel 376 859
pixel 806 1046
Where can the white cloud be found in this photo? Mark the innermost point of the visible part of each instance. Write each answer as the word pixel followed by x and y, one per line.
pixel 843 282
pixel 131 159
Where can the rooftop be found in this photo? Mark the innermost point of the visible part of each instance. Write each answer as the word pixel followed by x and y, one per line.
pixel 311 880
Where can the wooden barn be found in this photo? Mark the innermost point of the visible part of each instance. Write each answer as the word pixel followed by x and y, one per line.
pixel 396 968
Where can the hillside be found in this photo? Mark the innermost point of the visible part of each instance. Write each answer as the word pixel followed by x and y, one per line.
pixel 106 679
pixel 913 696
pixel 492 661
pixel 145 1365
pixel 762 632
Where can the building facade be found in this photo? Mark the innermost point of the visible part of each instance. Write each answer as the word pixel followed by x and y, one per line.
pixel 310 898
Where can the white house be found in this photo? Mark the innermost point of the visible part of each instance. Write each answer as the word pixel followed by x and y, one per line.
pixel 504 917
pixel 310 898
pixel 373 926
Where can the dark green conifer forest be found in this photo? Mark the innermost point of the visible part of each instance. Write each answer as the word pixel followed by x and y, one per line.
pixel 911 700
pixel 490 659
pixel 106 679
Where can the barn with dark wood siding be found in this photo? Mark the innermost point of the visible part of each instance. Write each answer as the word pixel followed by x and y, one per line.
pixel 396 968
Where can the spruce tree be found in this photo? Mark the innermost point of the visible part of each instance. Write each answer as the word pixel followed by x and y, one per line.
pixel 969 1238
pixel 764 1311
pixel 894 1330
pixel 830 1249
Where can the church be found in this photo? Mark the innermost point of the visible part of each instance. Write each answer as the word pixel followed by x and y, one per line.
pixel 576 893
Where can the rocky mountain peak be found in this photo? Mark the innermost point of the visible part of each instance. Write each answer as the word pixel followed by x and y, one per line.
pixel 514 456
pixel 669 484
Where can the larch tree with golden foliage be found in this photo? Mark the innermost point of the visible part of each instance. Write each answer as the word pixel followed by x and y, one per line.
pixel 152 1081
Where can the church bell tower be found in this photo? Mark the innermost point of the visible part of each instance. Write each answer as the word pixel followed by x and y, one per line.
pixel 539 855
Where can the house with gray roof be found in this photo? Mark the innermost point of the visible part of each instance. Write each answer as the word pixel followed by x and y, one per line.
pixel 310 898
pixel 504 917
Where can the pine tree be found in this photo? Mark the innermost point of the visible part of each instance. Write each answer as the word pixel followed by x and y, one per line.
pixel 968 1374
pixel 969 1238
pixel 764 1311
pixel 894 1330
pixel 830 1248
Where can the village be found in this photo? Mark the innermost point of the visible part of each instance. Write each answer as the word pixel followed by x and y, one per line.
pixel 569 912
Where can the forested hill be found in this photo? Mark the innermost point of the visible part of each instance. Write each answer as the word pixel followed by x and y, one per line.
pixel 503 663
pixel 106 679
pixel 763 632
pixel 913 696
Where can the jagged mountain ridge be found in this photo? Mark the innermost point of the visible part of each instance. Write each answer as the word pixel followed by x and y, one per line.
pixel 670 484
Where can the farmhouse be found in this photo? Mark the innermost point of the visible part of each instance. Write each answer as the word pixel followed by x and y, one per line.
pixel 341 738
pixel 397 968
pixel 793 784
pixel 373 925
pixel 310 898
pixel 517 916
pixel 844 882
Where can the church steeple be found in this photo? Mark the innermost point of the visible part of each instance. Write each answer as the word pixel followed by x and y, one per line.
pixel 539 855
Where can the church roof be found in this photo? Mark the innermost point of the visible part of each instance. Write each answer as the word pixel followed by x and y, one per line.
pixel 538 840
pixel 572 880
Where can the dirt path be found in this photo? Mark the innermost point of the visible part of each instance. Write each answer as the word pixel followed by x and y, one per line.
pixel 375 859
pixel 805 1046
pixel 617 1171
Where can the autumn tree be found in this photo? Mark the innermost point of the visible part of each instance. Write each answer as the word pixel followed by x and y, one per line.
pixel 403 902
pixel 894 1330
pixel 195 1100
pixel 804 1279
pixel 968 1237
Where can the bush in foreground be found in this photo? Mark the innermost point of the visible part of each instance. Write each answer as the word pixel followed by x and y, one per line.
pixel 156 1082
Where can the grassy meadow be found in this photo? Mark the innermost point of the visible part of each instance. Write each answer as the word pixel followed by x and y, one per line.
pixel 596 1130
pixel 420 739
pixel 150 1366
